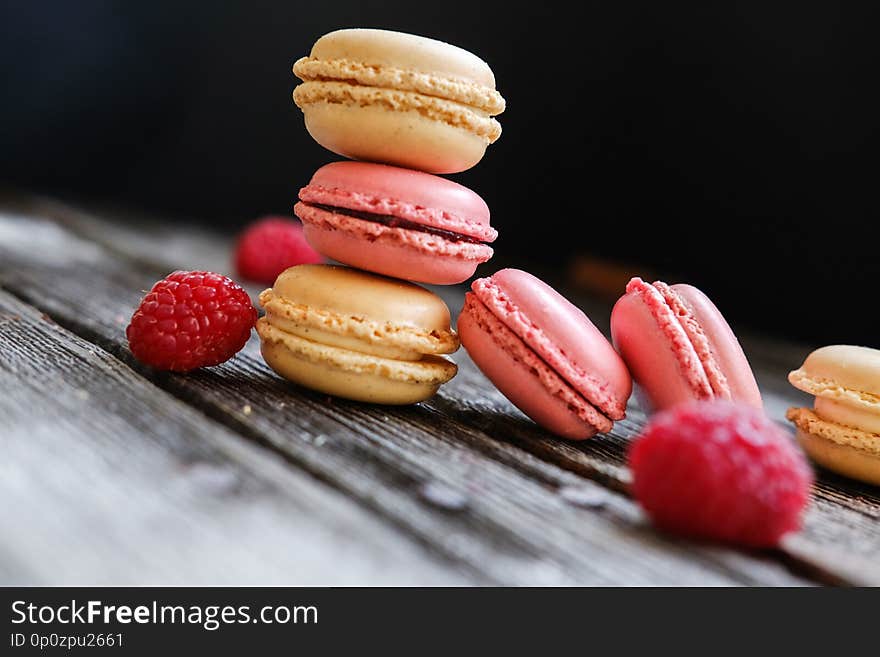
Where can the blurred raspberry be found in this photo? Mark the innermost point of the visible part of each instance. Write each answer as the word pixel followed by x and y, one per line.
pixel 269 246
pixel 191 319
pixel 721 471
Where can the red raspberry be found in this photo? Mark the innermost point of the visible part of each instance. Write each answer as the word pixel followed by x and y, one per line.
pixel 269 246
pixel 191 319
pixel 721 471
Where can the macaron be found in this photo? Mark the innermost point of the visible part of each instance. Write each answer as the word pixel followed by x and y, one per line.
pixel 679 347
pixel 842 430
pixel 397 222
pixel 351 334
pixel 397 98
pixel 544 354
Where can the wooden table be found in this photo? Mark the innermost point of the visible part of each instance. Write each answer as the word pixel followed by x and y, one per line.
pixel 115 474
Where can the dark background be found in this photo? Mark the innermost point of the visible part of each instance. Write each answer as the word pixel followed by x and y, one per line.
pixel 731 147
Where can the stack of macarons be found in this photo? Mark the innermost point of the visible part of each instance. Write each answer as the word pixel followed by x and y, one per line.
pixel 406 108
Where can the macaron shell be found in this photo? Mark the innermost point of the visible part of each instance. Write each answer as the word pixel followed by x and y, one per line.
pixel 353 293
pixel 403 137
pixel 725 347
pixel 523 378
pixel 411 195
pixel 404 51
pixel 561 334
pixel 835 370
pixel 830 389
pixel 841 459
pixel 653 362
pixel 395 252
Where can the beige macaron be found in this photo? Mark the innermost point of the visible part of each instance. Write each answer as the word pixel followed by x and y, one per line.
pixel 842 430
pixel 399 99
pixel 356 335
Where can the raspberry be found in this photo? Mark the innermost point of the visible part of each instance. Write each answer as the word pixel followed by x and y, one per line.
pixel 269 246
pixel 191 319
pixel 721 471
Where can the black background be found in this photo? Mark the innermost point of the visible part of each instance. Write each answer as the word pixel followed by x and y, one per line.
pixel 730 146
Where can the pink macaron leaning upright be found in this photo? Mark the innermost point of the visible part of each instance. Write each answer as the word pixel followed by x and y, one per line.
pixel 397 222
pixel 679 347
pixel 544 354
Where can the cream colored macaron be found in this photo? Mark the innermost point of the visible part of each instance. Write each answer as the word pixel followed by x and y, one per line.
pixel 400 99
pixel 842 430
pixel 356 335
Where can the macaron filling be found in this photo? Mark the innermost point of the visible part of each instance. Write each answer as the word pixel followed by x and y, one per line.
pixel 431 232
pixel 396 222
pixel 416 197
pixel 427 369
pixel 348 342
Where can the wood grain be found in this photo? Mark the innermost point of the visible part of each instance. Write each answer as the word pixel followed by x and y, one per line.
pixel 106 479
pixel 466 473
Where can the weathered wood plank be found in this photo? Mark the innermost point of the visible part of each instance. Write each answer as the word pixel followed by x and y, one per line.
pixel 106 479
pixel 841 533
pixel 841 536
pixel 430 468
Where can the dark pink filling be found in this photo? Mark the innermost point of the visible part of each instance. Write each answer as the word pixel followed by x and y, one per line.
pixel 396 222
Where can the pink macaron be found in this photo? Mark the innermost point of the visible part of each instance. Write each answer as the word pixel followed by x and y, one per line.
pixel 678 347
pixel 397 222
pixel 544 354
